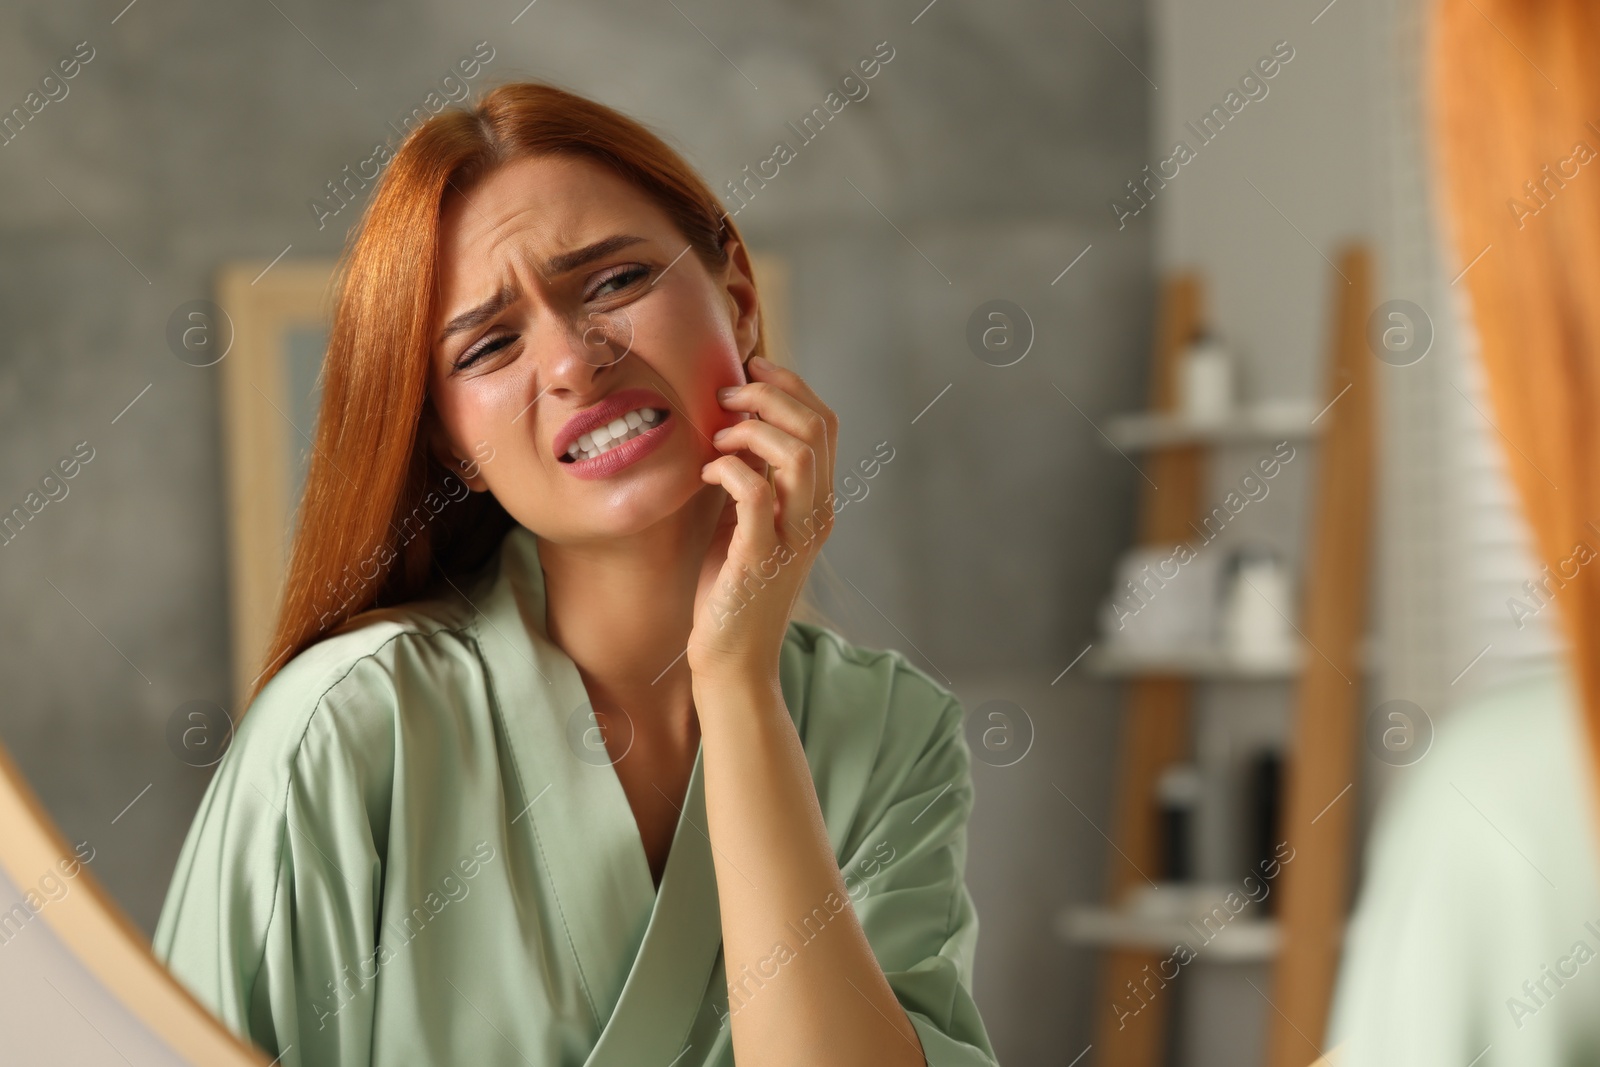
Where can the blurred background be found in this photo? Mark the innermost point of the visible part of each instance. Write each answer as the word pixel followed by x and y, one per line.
pixel 994 258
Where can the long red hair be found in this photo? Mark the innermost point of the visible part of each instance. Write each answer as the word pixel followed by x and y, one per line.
pixel 1516 97
pixel 380 515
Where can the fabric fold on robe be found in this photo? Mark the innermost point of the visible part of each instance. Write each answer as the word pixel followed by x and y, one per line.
pixel 417 852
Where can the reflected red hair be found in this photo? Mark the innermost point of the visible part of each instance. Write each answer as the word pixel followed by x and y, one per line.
pixel 381 517
pixel 1522 186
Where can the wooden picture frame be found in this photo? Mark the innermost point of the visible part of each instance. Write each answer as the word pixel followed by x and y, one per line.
pixel 264 403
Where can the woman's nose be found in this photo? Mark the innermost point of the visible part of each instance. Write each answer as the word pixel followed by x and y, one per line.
pixel 575 350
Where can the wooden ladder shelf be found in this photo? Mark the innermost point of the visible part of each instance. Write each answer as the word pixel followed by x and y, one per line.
pixel 1322 762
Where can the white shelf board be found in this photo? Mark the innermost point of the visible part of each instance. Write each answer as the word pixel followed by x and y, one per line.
pixel 1278 422
pixel 1110 662
pixel 1241 939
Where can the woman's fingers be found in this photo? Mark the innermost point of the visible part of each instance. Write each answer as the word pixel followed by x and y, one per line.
pixel 754 502
pixel 781 397
pixel 794 463
pixel 767 371
pixel 775 404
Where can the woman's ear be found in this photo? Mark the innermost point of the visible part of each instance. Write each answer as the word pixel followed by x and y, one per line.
pixel 469 471
pixel 738 280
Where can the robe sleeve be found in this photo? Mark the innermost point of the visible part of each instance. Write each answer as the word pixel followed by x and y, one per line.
pixel 271 919
pixel 1480 880
pixel 906 875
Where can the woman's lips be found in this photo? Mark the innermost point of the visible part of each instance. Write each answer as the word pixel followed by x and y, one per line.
pixel 606 411
pixel 624 455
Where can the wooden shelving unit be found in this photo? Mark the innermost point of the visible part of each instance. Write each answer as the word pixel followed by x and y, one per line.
pixel 1304 938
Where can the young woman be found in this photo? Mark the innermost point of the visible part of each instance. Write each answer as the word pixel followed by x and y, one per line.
pixel 547 773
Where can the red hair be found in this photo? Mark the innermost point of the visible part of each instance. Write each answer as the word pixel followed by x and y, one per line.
pixel 1523 207
pixel 380 513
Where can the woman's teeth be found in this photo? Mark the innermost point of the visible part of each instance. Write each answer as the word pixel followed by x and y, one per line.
pixel 603 439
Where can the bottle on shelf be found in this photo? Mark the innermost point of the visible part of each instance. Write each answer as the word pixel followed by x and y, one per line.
pixel 1257 607
pixel 1178 799
pixel 1206 380
pixel 1264 801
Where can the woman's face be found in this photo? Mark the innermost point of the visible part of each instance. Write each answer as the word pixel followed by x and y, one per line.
pixel 565 292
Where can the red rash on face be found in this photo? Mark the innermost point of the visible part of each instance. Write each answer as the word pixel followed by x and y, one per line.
pixel 719 368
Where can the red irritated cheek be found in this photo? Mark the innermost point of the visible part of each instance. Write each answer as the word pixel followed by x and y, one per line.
pixel 717 368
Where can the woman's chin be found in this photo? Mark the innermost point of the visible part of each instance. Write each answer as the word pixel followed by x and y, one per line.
pixel 639 506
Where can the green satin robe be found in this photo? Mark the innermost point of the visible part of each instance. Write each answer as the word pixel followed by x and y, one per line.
pixel 416 852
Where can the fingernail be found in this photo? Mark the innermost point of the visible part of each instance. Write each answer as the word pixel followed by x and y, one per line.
pixel 762 362
pixel 723 394
pixel 720 434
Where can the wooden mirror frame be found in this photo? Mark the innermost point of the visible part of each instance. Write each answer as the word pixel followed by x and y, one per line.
pixel 104 940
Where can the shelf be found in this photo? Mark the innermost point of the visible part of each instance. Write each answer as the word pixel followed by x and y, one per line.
pixel 1213 664
pixel 1240 940
pixel 1266 424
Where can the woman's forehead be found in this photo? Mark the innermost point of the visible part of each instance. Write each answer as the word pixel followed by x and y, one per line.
pixel 542 205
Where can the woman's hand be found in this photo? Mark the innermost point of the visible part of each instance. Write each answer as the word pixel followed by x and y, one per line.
pixel 759 559
pixel 761 801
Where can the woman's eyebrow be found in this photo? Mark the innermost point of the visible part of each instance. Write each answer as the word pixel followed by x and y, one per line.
pixel 559 264
pixel 477 316
pixel 568 261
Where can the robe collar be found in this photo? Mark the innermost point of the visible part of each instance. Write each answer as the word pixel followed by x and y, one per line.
pixel 644 955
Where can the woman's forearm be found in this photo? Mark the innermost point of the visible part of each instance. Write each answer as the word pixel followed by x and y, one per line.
pixel 803 984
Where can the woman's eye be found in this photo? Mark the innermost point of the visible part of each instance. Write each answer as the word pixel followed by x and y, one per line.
pixel 621 280
pixel 483 348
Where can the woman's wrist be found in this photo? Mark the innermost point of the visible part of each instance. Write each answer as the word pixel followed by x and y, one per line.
pixel 735 694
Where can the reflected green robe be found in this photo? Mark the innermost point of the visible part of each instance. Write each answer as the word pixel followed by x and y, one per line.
pixel 416 852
